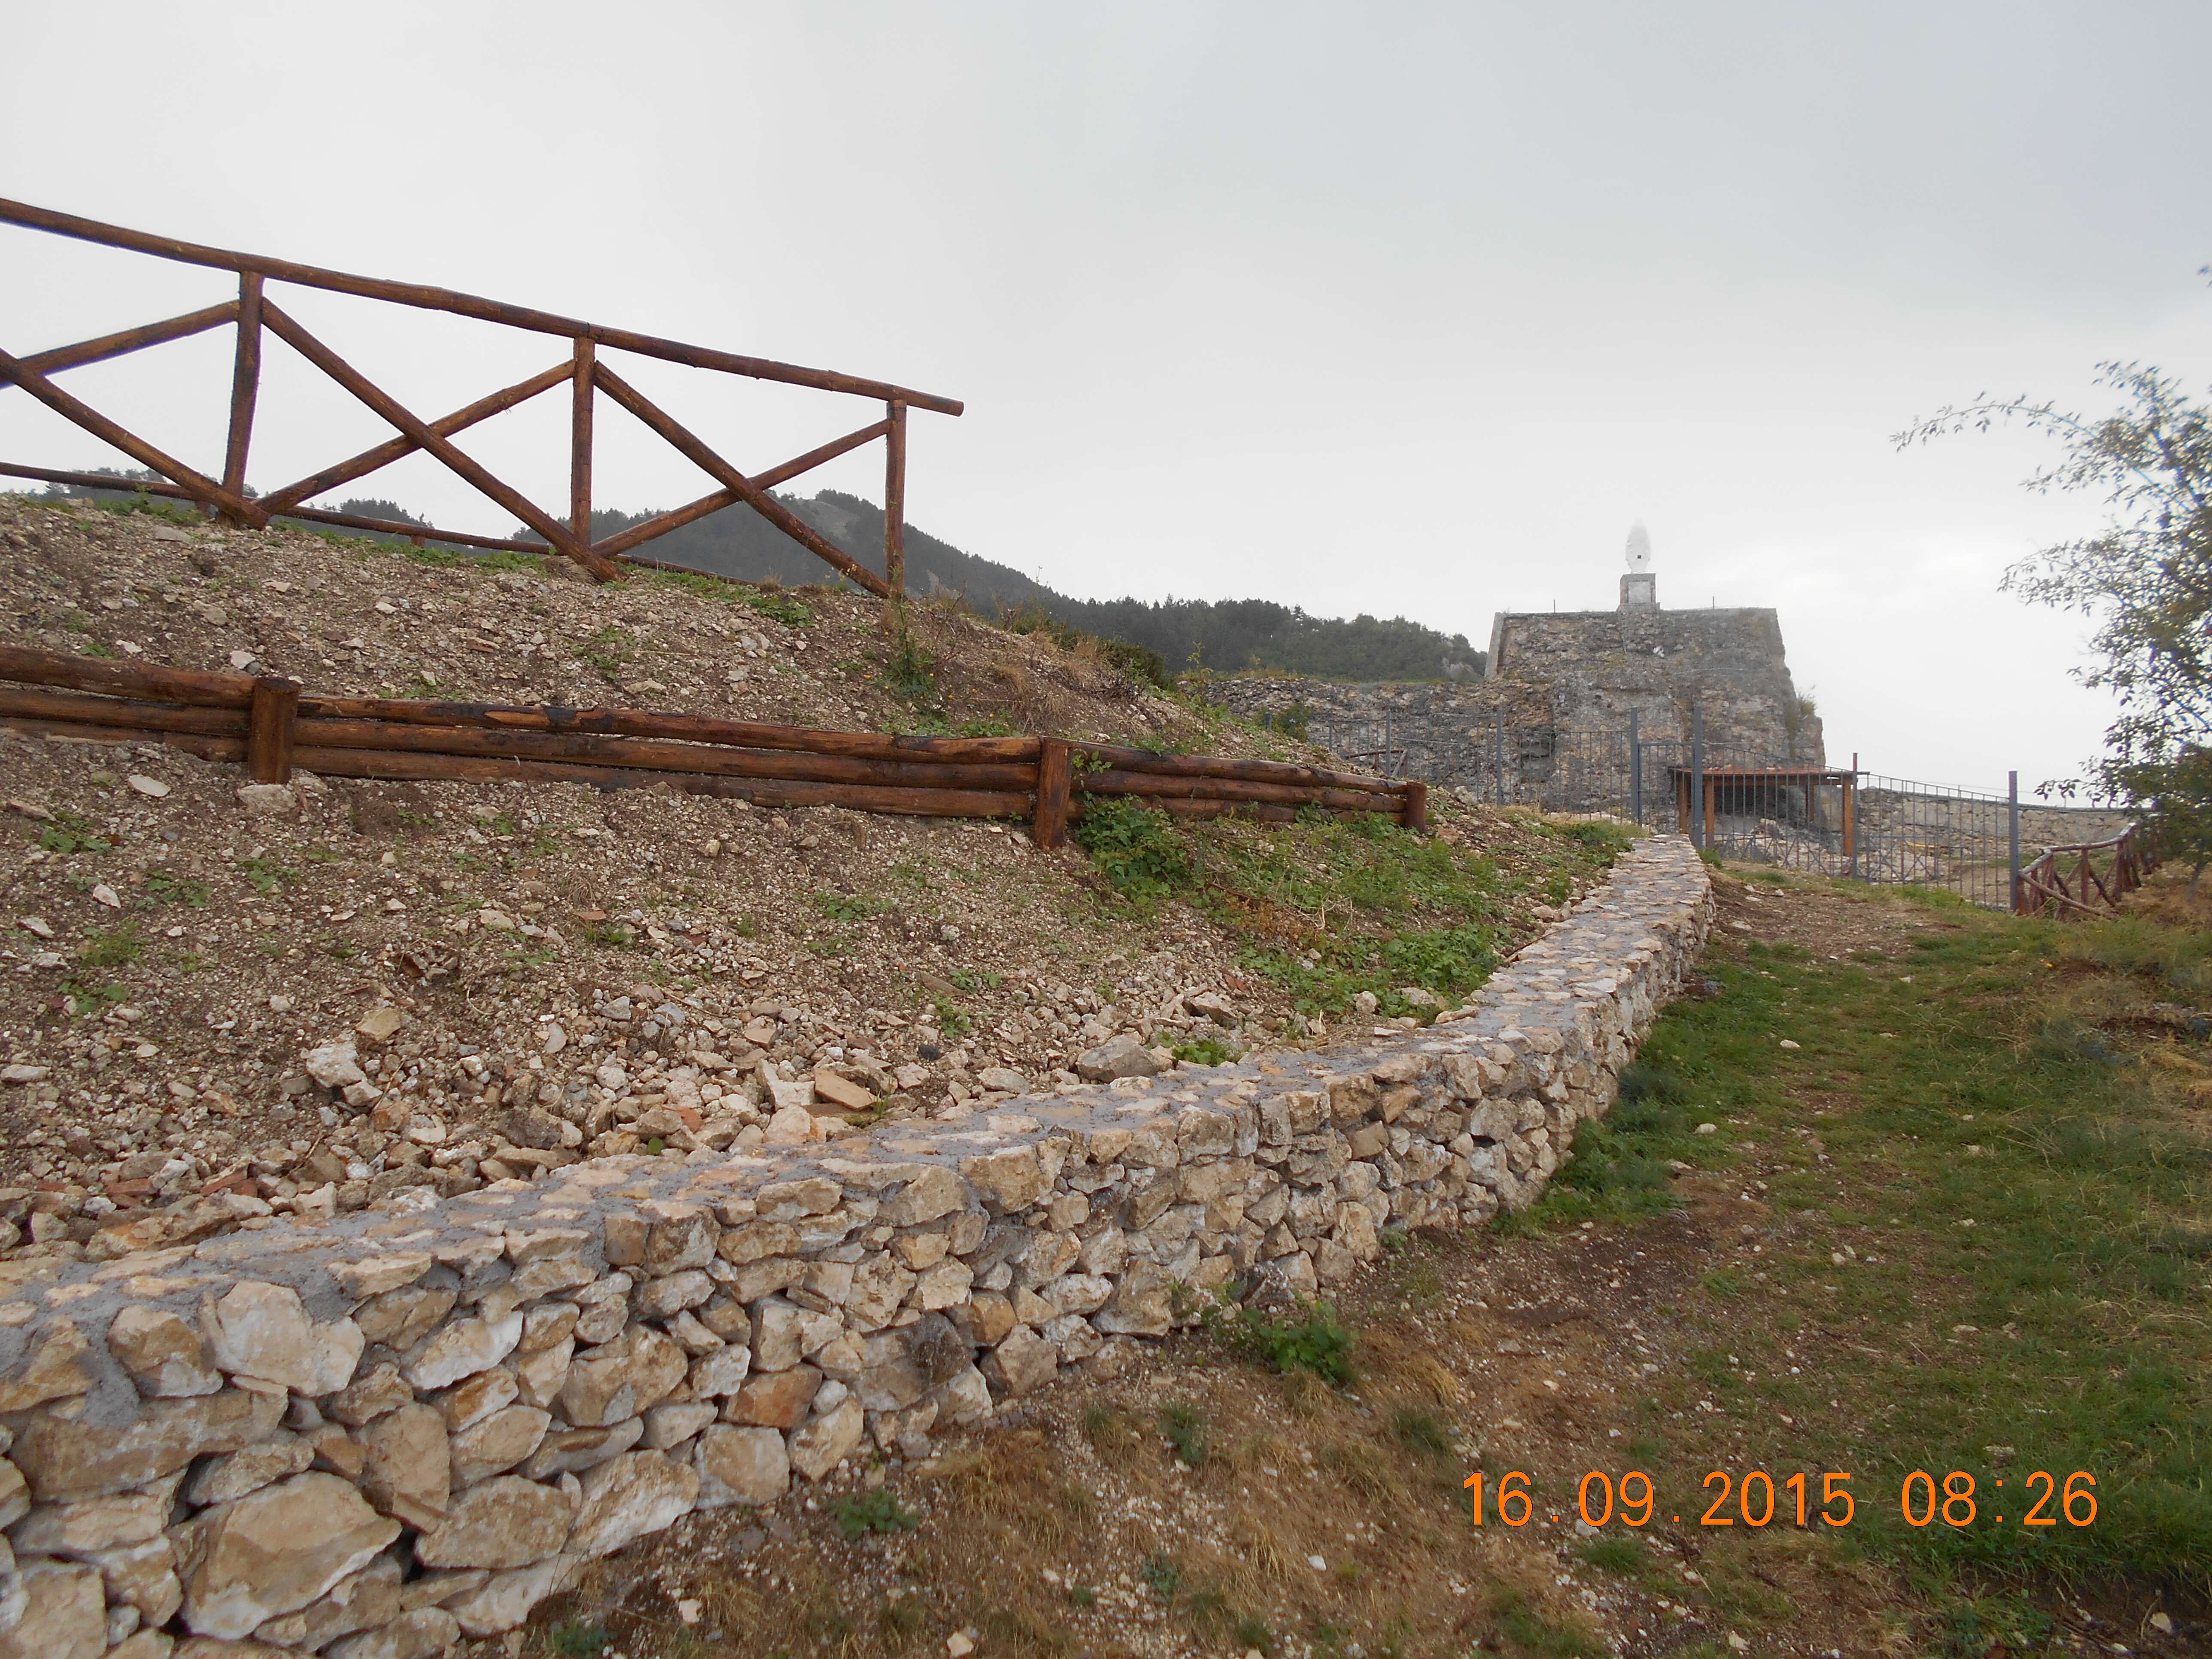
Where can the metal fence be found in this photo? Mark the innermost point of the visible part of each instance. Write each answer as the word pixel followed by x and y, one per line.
pixel 1742 802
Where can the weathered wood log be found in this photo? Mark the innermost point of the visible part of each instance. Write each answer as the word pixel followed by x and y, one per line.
pixel 269 719
pixel 1053 775
pixel 686 443
pixel 287 500
pixel 206 747
pixel 426 298
pixel 644 723
pixel 1222 766
pixel 638 534
pixel 192 685
pixel 167 491
pixel 1153 788
pixel 579 437
pixel 245 383
pixel 199 487
pixel 129 340
pixel 919 803
pixel 388 409
pixel 1265 811
pixel 1416 814
pixel 646 754
pixel 131 714
pixel 895 498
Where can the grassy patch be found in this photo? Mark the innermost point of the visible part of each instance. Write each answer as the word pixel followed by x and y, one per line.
pixel 1983 1173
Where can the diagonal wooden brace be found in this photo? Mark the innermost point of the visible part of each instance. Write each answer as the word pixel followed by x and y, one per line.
pixel 752 494
pixel 199 488
pixel 394 449
pixel 556 534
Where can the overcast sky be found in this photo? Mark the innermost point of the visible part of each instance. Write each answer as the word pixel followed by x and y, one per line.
pixel 1395 308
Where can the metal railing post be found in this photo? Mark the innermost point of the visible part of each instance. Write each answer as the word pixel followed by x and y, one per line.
pixel 2012 834
pixel 1635 770
pixel 1697 779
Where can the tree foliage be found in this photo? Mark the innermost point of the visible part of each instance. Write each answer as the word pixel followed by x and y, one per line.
pixel 2144 581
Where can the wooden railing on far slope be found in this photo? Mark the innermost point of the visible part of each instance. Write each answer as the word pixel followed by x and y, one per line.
pixel 2048 886
pixel 253 314
pixel 271 727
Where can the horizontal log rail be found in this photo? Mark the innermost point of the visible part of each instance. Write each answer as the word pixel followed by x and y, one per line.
pixel 2047 887
pixel 582 371
pixel 273 726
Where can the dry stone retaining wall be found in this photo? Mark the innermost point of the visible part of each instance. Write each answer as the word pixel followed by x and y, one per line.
pixel 369 1438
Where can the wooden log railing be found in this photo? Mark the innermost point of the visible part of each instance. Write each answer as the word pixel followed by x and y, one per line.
pixel 272 727
pixel 2048 886
pixel 255 316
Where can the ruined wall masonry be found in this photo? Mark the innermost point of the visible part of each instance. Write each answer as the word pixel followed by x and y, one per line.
pixel 1599 664
pixel 371 1437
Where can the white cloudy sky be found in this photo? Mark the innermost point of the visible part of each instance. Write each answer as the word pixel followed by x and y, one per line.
pixel 1399 308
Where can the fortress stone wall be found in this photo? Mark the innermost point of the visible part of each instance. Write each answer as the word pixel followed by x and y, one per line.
pixel 1600 665
pixel 370 1438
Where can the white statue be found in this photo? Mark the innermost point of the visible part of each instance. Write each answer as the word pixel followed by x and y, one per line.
pixel 1639 548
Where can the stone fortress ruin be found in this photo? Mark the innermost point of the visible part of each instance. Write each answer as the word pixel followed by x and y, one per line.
pixel 1557 693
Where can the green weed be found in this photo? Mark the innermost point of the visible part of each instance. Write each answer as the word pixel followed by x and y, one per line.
pixel 1203 1051
pixel 1312 1338
pixel 70 833
pixel 176 889
pixel 265 875
pixel 879 1510
pixel 840 907
pixel 118 947
pixel 1161 1575
pixel 1135 847
pixel 1183 1425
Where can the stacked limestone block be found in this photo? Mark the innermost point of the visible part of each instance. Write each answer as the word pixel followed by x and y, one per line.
pixel 369 1439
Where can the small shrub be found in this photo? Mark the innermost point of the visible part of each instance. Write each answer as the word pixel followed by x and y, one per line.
pixel 910 672
pixel 577 1640
pixel 1203 1051
pixel 1312 1340
pixel 873 1511
pixel 1162 1576
pixel 1184 1426
pixel 118 947
pixel 1135 847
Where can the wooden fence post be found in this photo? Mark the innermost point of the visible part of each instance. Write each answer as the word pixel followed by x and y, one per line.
pixel 270 718
pixel 895 498
pixel 245 383
pixel 580 440
pixel 1055 774
pixel 1417 805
